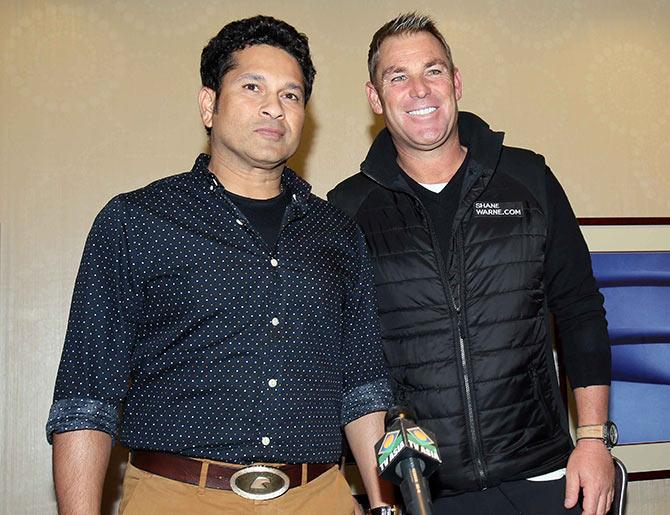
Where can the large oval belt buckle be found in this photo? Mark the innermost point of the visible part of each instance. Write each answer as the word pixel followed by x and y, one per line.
pixel 259 482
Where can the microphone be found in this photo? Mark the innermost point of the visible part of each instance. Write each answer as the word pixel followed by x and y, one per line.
pixel 406 456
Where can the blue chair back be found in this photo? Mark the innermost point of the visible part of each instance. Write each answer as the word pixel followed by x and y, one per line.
pixel 636 287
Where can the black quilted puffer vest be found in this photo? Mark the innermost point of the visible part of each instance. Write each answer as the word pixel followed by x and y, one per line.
pixel 466 338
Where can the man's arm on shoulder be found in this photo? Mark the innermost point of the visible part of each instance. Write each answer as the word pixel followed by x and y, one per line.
pixel 590 466
pixel 350 193
pixel 80 460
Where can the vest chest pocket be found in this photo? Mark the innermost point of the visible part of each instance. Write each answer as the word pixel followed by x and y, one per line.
pixel 500 239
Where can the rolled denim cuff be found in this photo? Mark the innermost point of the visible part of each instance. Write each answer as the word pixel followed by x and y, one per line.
pixel 367 398
pixel 73 414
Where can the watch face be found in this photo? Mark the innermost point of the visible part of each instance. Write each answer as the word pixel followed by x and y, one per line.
pixel 612 433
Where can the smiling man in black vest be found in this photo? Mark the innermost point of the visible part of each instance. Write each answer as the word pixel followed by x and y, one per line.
pixel 474 245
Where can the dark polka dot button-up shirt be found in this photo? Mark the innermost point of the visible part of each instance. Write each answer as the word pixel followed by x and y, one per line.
pixel 213 344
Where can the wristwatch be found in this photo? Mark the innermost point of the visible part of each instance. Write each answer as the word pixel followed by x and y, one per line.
pixel 384 510
pixel 606 432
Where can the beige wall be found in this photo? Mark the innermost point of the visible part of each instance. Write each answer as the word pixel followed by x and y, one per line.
pixel 98 97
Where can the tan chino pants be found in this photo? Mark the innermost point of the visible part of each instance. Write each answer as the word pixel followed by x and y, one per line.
pixel 145 493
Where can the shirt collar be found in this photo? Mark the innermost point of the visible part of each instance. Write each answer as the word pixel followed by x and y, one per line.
pixel 299 188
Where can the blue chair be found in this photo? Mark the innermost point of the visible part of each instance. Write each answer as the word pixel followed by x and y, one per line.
pixel 636 287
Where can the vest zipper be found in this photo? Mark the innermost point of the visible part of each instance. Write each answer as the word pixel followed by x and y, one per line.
pixel 467 380
pixel 455 304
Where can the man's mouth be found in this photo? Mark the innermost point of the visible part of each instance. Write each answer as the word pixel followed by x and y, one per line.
pixel 422 112
pixel 270 133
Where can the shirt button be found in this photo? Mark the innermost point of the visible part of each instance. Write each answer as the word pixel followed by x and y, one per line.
pixel 211 187
pixel 265 440
pixel 274 262
pixel 275 321
pixel 294 197
pixel 272 383
pixel 239 222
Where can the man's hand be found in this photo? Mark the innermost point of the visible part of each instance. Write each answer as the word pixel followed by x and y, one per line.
pixel 590 468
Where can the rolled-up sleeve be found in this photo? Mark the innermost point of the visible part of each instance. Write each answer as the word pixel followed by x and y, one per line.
pixel 366 381
pixel 95 365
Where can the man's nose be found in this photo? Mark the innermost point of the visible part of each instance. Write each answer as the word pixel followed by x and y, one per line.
pixel 419 87
pixel 272 107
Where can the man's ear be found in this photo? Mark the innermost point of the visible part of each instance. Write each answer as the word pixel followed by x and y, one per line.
pixel 458 84
pixel 373 98
pixel 207 104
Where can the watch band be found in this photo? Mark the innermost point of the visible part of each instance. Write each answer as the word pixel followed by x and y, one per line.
pixel 591 431
pixel 607 433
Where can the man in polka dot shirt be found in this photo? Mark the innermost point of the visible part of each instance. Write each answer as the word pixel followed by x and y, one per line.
pixel 230 313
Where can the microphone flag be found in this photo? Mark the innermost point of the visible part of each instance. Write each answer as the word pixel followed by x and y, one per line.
pixel 404 439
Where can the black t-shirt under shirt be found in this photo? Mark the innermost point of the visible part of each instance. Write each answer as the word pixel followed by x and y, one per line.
pixel 265 216
pixel 442 206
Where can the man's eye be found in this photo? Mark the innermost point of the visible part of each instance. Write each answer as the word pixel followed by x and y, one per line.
pixel 434 71
pixel 397 78
pixel 292 96
pixel 251 87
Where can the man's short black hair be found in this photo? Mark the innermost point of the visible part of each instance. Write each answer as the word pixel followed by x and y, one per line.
pixel 217 57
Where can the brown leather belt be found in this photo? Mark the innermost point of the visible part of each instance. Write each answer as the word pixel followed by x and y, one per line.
pixel 187 470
